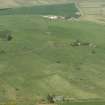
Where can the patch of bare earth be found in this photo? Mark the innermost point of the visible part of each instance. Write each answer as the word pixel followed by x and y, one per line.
pixel 97 19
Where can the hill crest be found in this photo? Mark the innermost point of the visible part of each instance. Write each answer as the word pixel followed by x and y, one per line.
pixel 15 3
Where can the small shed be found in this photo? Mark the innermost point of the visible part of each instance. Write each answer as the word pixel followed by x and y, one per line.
pixel 54 98
pixel 58 98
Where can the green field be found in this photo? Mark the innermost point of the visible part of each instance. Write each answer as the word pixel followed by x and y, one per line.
pixel 57 9
pixel 39 56
pixel 40 60
pixel 84 103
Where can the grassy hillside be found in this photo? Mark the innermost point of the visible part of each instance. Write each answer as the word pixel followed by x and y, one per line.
pixel 40 59
pixel 58 9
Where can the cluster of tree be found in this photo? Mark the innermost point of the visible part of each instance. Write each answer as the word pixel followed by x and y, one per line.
pixel 55 98
pixel 80 43
pixel 6 35
pixel 50 98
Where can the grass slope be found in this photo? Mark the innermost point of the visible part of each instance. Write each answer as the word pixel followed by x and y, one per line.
pixel 58 9
pixel 40 60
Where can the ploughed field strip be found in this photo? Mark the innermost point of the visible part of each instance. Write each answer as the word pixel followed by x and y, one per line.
pixel 19 3
pixel 92 7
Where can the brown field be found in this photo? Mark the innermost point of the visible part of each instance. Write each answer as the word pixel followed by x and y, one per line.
pixel 93 10
pixel 15 3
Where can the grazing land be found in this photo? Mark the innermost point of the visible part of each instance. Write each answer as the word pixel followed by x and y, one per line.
pixel 84 103
pixel 40 60
pixel 61 57
pixel 57 9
